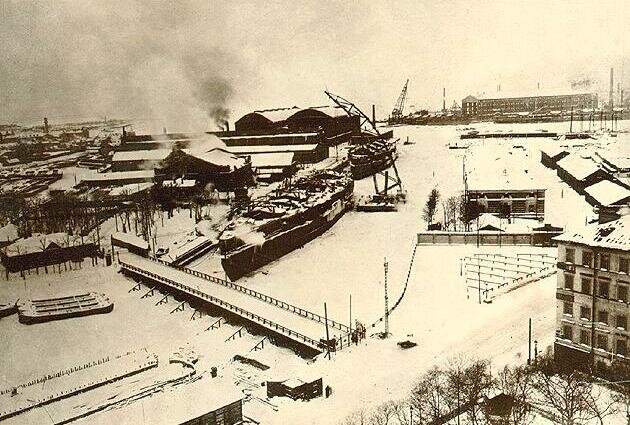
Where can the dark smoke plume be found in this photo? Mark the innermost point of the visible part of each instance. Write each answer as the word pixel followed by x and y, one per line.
pixel 171 65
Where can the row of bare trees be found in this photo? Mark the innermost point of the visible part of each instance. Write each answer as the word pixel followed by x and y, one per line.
pixel 458 394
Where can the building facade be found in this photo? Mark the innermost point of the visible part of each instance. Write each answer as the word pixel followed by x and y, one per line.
pixel 593 296
pixel 477 106
pixel 513 202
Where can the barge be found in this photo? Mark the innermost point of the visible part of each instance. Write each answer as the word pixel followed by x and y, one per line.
pixel 286 220
pixel 7 309
pixel 44 310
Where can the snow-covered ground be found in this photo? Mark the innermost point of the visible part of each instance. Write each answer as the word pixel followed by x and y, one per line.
pixel 346 261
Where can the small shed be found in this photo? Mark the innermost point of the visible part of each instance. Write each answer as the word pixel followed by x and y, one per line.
pixel 295 389
pixel 130 242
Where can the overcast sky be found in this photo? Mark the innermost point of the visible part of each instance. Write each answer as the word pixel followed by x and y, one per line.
pixel 187 65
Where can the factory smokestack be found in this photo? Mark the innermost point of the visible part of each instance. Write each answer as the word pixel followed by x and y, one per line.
pixel 46 128
pixel 444 99
pixel 610 95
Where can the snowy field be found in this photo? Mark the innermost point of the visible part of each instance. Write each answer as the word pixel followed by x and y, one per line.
pixel 346 261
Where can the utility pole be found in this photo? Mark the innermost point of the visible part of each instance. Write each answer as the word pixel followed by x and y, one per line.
pixel 386 302
pixel 350 316
pixel 529 357
pixel 327 334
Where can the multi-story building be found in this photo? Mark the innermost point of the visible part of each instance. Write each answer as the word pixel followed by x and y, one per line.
pixel 593 295
pixel 487 106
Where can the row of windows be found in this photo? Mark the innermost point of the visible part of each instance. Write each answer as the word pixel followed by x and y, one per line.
pixel 604 260
pixel 602 341
pixel 620 320
pixel 603 288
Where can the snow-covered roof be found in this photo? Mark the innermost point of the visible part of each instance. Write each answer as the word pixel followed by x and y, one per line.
pixel 553 149
pixel 276 115
pixel 217 156
pixel 130 189
pixel 8 232
pixel 145 155
pixel 613 235
pixel 130 239
pixel 179 183
pixel 266 160
pixel 120 175
pixel 270 136
pixel 607 193
pixel 487 221
pixel 39 242
pixel 240 150
pixel 578 166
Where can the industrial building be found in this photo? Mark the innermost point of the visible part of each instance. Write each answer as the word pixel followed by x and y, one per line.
pixel 509 104
pixel 592 295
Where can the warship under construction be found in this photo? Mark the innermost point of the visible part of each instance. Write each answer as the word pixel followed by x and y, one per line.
pixel 372 157
pixel 283 221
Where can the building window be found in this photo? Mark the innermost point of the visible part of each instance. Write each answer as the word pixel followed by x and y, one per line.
pixel 567 308
pixel 602 316
pixel 624 265
pixel 585 312
pixel 586 286
pixel 622 322
pixel 567 332
pixel 604 289
pixel 622 293
pixel 604 261
pixel 569 255
pixel 568 281
pixel 587 258
pixel 602 342
pixel 585 337
pixel 621 347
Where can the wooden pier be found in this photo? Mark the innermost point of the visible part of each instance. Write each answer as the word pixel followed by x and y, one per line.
pixel 293 324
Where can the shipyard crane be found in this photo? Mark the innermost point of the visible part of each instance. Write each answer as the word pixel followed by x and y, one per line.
pixel 397 112
pixel 369 126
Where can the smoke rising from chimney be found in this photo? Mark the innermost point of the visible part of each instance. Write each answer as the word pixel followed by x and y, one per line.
pixel 168 65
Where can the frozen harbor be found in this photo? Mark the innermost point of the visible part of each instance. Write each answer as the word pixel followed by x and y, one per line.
pixel 347 261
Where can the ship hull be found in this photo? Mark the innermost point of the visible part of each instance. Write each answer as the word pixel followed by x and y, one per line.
pixel 252 257
pixel 361 171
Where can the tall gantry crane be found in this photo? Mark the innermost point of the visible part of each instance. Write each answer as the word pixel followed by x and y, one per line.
pixel 397 112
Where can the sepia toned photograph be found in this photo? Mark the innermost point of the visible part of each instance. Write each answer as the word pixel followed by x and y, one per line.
pixel 344 212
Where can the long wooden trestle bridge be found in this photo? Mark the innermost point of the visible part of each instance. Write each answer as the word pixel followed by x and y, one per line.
pixel 295 325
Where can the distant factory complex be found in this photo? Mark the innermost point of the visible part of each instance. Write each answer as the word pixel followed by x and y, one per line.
pixel 500 104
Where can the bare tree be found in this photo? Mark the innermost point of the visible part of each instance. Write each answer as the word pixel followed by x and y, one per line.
pixel 358 417
pixel 428 397
pixel 518 383
pixel 383 414
pixel 572 398
pixel 477 383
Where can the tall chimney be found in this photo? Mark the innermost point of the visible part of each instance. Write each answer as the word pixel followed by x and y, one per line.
pixel 610 94
pixel 374 115
pixel 227 125
pixel 444 99
pixel 45 125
